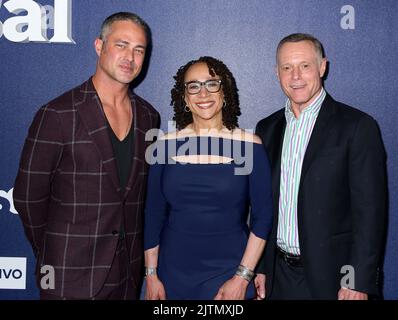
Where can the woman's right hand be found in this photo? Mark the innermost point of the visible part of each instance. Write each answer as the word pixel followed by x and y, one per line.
pixel 154 288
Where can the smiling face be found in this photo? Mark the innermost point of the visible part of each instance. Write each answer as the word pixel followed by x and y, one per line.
pixel 300 70
pixel 206 107
pixel 122 52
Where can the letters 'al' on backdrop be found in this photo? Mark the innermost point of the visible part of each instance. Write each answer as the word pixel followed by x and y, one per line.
pixel 40 61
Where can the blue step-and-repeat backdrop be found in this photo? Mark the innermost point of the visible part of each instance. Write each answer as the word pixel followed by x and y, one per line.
pixel 46 48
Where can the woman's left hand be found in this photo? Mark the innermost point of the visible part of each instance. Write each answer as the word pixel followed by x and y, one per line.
pixel 233 289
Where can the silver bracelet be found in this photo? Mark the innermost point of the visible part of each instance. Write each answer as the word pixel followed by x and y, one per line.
pixel 150 271
pixel 245 273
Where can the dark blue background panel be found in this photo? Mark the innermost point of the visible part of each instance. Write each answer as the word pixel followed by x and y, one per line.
pixel 360 39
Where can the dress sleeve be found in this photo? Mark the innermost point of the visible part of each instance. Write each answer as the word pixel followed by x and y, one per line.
pixel 260 193
pixel 155 207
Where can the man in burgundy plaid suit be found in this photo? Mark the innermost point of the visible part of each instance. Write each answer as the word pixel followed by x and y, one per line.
pixel 81 184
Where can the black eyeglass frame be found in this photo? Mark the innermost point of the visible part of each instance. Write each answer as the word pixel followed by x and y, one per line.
pixel 205 84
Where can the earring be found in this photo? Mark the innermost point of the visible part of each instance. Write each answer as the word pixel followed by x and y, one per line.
pixel 186 109
pixel 224 105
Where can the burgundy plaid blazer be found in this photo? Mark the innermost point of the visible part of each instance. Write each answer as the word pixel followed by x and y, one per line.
pixel 67 191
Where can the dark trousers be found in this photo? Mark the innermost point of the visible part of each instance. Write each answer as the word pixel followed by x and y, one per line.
pixel 289 282
pixel 118 285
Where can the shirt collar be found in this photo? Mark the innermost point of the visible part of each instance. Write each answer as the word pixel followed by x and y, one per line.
pixel 312 109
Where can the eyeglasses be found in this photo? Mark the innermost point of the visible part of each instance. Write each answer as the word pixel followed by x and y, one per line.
pixel 212 86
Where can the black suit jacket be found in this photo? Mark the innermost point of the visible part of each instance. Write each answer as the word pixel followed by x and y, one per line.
pixel 341 200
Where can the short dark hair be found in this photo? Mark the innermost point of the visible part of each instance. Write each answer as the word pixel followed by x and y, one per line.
pixel 297 37
pixel 123 16
pixel 230 112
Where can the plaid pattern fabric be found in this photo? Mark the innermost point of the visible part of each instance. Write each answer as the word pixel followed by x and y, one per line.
pixel 68 196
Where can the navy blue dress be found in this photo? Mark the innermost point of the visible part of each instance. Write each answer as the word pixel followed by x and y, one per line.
pixel 198 213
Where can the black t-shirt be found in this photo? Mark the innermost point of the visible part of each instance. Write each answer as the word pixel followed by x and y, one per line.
pixel 123 151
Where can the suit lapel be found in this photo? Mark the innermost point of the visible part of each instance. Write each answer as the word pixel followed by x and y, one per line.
pixel 139 123
pixel 274 150
pixel 318 134
pixel 90 110
pixel 277 154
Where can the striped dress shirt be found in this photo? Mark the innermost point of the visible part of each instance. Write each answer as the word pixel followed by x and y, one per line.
pixel 295 141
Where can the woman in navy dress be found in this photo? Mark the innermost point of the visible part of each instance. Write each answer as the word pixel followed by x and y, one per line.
pixel 202 182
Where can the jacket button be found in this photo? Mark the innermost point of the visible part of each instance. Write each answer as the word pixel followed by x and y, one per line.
pixel 115 232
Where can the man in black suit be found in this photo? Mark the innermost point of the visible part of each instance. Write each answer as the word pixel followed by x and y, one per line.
pixel 329 187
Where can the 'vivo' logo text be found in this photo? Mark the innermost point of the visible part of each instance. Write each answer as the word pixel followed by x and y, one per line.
pixel 12 273
pixel 34 25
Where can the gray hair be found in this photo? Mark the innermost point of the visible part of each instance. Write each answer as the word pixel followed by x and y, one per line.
pixel 298 37
pixel 123 16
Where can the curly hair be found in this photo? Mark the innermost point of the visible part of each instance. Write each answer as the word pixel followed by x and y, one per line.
pixel 230 112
